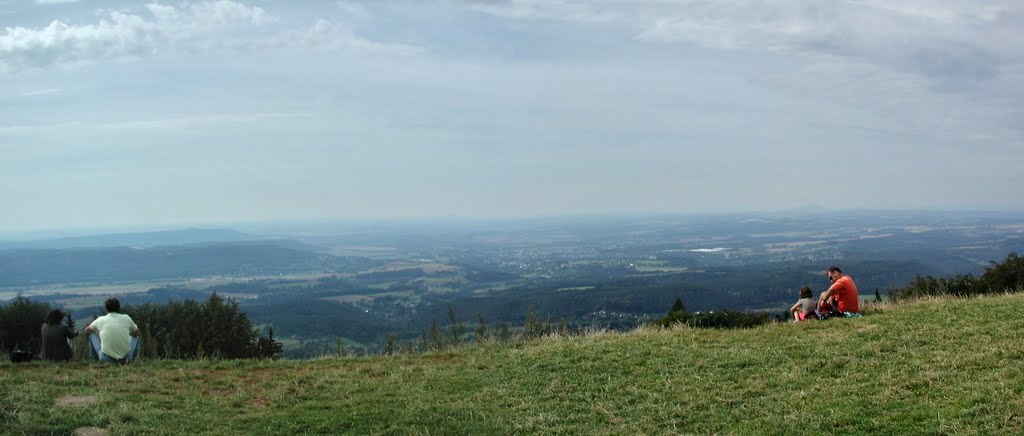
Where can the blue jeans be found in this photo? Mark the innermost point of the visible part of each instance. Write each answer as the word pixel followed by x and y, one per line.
pixel 94 350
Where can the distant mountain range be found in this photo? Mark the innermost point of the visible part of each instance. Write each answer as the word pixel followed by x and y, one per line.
pixel 135 240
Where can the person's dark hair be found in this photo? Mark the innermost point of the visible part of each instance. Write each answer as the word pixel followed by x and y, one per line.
pixel 834 268
pixel 805 292
pixel 113 305
pixel 54 317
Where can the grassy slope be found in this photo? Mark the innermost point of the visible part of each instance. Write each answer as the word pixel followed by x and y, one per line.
pixel 939 366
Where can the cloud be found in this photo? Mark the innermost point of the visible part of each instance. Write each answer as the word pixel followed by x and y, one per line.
pixel 200 120
pixel 955 65
pixel 125 35
pixel 947 67
pixel 947 43
pixel 54 2
pixel 42 92
pixel 205 26
pixel 331 36
pixel 172 123
pixel 353 9
pixel 559 10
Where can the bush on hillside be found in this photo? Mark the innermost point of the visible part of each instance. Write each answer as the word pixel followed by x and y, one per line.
pixel 677 314
pixel 20 320
pixel 189 330
pixel 268 348
pixel 719 320
pixel 727 319
pixel 1007 276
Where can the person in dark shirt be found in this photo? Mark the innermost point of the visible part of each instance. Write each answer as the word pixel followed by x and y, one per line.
pixel 56 347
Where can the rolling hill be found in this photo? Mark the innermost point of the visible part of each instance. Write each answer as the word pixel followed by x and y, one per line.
pixel 929 366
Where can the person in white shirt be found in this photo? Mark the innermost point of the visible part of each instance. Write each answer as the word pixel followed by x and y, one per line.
pixel 114 337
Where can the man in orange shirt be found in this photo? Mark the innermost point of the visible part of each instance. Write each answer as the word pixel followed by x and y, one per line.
pixel 843 291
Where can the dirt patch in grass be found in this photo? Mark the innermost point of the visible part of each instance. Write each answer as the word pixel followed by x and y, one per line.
pixel 83 400
pixel 265 377
pixel 90 431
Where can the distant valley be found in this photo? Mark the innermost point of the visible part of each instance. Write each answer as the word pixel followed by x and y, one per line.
pixel 353 284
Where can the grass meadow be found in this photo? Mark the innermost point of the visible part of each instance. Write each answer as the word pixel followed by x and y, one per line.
pixel 932 366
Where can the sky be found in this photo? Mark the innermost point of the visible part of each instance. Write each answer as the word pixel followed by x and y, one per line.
pixel 165 113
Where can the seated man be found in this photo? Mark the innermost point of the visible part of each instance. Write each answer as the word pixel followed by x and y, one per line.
pixel 114 337
pixel 842 294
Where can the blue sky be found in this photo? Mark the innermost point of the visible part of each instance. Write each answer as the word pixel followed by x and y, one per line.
pixel 166 113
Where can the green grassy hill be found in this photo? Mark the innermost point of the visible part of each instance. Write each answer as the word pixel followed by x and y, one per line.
pixel 934 366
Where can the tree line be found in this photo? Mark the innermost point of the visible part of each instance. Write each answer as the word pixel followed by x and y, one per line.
pixel 1005 276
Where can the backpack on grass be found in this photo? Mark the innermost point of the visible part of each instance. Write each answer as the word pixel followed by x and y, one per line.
pixel 828 310
pixel 19 356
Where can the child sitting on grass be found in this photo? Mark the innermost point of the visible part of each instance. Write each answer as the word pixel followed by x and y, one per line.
pixel 804 307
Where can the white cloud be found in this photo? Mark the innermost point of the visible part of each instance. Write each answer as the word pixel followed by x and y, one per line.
pixel 951 46
pixel 42 92
pixel 952 63
pixel 964 40
pixel 565 10
pixel 330 36
pixel 203 26
pixel 353 9
pixel 200 120
pixel 54 2
pixel 173 123
pixel 123 34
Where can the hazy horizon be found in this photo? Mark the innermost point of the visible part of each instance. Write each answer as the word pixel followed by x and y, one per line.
pixel 317 225
pixel 118 114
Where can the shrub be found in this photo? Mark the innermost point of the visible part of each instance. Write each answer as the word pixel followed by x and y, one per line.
pixel 20 321
pixel 722 320
pixel 189 330
pixel 677 314
pixel 1007 276
pixel 268 348
pixel 728 320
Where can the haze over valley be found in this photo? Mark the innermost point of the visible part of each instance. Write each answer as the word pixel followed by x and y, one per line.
pixel 318 283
